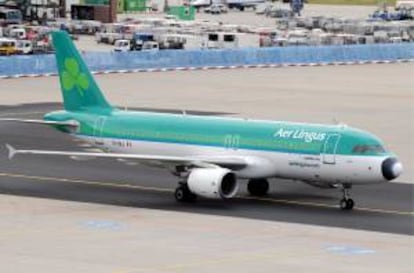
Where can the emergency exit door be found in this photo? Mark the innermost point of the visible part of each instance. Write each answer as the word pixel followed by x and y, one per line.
pixel 97 130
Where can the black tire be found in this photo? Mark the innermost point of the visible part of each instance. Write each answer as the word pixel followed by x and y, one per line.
pixel 350 204
pixel 343 204
pixel 258 187
pixel 183 194
pixel 346 204
pixel 179 194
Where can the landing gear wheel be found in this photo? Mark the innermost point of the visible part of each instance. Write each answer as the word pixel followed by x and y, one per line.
pixel 183 194
pixel 343 204
pixel 258 187
pixel 346 204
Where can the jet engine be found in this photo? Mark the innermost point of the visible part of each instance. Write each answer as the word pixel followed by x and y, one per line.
pixel 213 183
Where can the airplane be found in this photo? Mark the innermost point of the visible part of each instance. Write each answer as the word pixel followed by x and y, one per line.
pixel 210 155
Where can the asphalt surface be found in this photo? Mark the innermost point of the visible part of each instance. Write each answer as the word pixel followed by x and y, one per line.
pixel 384 207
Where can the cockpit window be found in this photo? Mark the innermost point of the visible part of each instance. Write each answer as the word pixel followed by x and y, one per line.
pixel 364 149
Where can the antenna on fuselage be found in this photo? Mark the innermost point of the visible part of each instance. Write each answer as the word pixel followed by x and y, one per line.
pixel 339 123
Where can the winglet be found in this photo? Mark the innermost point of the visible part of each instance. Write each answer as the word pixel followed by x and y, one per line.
pixel 12 151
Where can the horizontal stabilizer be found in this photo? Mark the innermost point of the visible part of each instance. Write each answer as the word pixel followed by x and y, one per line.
pixel 69 123
pixel 11 150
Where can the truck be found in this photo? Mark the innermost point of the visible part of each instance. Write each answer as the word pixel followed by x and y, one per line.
pixel 139 38
pixel 122 45
pixel 220 40
pixel 400 4
pixel 172 41
pixel 242 4
pixel 232 4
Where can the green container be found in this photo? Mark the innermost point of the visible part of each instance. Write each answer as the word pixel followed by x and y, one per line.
pixel 135 5
pixel 96 2
pixel 182 12
pixel 120 6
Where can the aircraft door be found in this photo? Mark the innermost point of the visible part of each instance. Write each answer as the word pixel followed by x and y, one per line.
pixel 98 129
pixel 329 148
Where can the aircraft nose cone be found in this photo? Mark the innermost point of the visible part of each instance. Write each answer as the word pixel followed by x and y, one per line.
pixel 391 168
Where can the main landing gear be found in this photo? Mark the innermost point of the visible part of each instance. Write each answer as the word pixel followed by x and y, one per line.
pixel 346 202
pixel 183 194
pixel 258 187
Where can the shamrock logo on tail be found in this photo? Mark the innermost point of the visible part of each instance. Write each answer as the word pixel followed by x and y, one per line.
pixel 72 77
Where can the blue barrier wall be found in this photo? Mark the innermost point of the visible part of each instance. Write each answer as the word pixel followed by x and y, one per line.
pixel 105 61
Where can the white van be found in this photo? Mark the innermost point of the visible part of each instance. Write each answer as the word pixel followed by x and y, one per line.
pixel 24 46
pixel 220 40
pixel 122 45
pixel 150 46
pixel 400 4
pixel 17 33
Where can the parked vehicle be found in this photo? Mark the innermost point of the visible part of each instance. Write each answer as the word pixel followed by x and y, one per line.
pixel 150 46
pixel 122 45
pixel 218 40
pixel 297 37
pixel 267 39
pixel 404 4
pixel 263 8
pixel 24 47
pixel 18 33
pixel 277 12
pixel 7 46
pixel 172 41
pixel 108 37
pixel 198 4
pixel 139 38
pixel 216 9
pixel 243 4
pixel 112 32
pixel 232 4
pixel 10 16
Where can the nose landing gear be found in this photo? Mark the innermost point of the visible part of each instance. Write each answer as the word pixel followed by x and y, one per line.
pixel 346 202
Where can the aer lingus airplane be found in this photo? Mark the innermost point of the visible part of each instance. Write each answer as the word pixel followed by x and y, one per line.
pixel 210 154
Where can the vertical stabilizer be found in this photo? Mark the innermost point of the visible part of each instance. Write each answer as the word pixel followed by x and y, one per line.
pixel 79 89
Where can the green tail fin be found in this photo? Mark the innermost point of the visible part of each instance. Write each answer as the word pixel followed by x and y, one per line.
pixel 79 89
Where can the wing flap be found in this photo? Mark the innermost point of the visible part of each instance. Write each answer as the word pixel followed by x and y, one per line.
pixel 167 161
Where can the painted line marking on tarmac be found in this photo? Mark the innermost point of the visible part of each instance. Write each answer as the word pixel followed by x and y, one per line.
pixel 20 114
pixel 84 182
pixel 157 189
pixel 324 205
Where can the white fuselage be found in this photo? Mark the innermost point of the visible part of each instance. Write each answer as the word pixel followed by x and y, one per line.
pixel 326 169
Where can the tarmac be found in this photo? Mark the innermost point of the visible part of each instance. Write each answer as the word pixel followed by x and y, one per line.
pixel 62 215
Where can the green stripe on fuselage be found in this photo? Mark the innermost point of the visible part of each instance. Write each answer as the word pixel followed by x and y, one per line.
pixel 232 133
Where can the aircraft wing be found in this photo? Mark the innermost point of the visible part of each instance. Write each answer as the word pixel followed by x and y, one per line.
pixel 69 123
pixel 234 163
